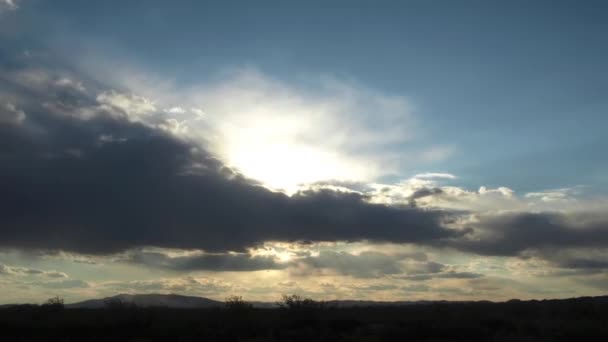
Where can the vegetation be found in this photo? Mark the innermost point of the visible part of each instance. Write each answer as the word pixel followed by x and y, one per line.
pixel 237 304
pixel 54 304
pixel 302 319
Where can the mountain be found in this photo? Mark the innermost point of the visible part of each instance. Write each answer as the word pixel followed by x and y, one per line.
pixel 191 302
pixel 151 300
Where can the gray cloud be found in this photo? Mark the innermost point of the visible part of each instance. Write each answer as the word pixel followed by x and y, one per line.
pixel 85 176
pixel 63 189
pixel 209 262
pixel 202 286
pixel 363 265
pixel 512 234
pixel 424 192
pixel 9 114
pixel 64 284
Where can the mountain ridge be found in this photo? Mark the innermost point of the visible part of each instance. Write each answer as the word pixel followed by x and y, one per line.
pixel 195 302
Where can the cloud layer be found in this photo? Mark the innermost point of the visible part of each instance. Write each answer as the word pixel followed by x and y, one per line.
pixel 82 173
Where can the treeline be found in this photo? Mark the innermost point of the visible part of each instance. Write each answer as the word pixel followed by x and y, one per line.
pixel 302 319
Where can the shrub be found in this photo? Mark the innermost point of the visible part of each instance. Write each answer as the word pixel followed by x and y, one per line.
pixel 236 303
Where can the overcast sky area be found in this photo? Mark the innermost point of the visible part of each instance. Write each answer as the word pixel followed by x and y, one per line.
pixel 390 150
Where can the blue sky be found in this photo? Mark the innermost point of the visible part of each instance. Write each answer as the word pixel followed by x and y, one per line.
pixel 516 88
pixel 405 95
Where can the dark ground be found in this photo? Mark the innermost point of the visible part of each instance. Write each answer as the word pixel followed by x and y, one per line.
pixel 582 319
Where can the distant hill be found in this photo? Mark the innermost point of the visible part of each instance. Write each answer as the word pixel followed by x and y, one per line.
pixel 192 302
pixel 151 300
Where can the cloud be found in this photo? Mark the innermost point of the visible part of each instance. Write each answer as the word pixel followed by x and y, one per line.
pixel 442 275
pixel 133 105
pixel 9 114
pixel 434 175
pixel 175 110
pixel 364 265
pixel 513 233
pixel 192 285
pixel 204 261
pixel 55 274
pixel 8 5
pixel 319 127
pixel 64 284
pixel 25 271
pixel 99 171
pixel 153 189
pixel 328 129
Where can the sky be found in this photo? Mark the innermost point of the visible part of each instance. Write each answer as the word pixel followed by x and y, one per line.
pixel 389 150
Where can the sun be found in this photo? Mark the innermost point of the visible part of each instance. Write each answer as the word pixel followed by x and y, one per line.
pixel 286 166
pixel 275 153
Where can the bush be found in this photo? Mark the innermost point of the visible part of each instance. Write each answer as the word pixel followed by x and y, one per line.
pixel 237 304
pixel 54 304
pixel 295 302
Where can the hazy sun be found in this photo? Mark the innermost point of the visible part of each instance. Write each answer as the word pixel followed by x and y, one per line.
pixel 275 153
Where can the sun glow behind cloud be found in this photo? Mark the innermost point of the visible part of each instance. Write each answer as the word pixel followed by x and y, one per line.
pixel 286 133
pixel 285 136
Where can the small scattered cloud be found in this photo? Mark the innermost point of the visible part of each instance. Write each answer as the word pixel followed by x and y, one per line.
pixel 25 271
pixel 434 175
pixel 175 110
pixel 133 106
pixel 68 83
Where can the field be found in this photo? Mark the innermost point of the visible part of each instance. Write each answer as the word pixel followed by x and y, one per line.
pixel 582 319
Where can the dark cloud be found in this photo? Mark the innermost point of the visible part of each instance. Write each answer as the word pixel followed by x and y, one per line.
pixel 512 234
pixel 424 192
pixel 82 177
pixel 209 262
pixel 585 263
pixel 573 261
pixel 64 187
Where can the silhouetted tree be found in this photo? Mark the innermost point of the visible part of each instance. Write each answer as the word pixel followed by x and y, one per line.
pixel 54 304
pixel 301 311
pixel 237 304
pixel 296 302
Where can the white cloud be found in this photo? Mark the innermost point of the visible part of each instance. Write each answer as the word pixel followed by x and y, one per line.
pixel 68 83
pixel 25 271
pixel 435 175
pixel 132 105
pixel 429 191
pixel 175 110
pixel 555 195
pixel 174 126
pixel 199 112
